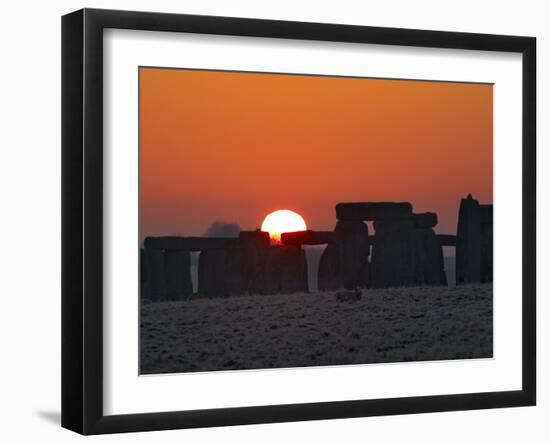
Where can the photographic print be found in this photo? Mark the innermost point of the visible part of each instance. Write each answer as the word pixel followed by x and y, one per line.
pixel 291 220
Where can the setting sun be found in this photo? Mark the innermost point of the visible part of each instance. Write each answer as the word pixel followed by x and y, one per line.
pixel 281 221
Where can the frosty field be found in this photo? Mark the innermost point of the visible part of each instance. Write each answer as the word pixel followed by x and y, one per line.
pixel 277 331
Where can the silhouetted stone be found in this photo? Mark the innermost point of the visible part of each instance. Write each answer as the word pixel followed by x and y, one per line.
pixel 255 238
pixel 486 249
pixel 221 272
pixel 394 253
pixel 286 270
pixel 468 245
pixel 250 261
pixel 486 253
pixel 344 262
pixel 250 265
pixel 189 243
pixel 154 265
pixel 425 220
pixel 306 238
pixel 212 273
pixel 430 267
pixel 446 239
pixel 373 211
pixel 236 261
pixel 178 274
pixel 144 289
pixel 486 214
pixel 238 269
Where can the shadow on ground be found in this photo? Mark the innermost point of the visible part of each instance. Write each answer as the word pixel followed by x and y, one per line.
pixel 53 417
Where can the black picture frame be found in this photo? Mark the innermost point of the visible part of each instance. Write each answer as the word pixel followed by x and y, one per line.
pixel 82 218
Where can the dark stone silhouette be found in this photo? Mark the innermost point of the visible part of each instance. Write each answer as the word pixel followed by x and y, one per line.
pixel 486 214
pixel 189 243
pixel 344 262
pixel 250 261
pixel 405 251
pixel 446 239
pixel 221 272
pixel 144 275
pixel 468 245
pixel 286 270
pixel 256 239
pixel 212 273
pixel 178 275
pixel 307 238
pixel 430 266
pixel 373 211
pixel 393 261
pixel 237 269
pixel 155 283
pixel 474 247
pixel 425 220
pixel 486 249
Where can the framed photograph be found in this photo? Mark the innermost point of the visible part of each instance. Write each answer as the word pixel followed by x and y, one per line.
pixel 269 221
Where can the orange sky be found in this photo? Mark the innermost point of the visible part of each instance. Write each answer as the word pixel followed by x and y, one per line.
pixel 233 147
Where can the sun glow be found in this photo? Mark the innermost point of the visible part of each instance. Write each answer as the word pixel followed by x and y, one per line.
pixel 281 221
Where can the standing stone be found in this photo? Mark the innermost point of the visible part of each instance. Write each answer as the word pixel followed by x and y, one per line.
pixel 240 268
pixel 223 272
pixel 393 261
pixel 486 248
pixel 212 273
pixel 425 220
pixel 254 271
pixel 144 286
pixel 252 264
pixel 344 262
pixel 155 289
pixel 430 267
pixel 178 274
pixel 286 270
pixel 468 244
pixel 245 270
pixel 234 268
pixel 256 239
pixel 486 253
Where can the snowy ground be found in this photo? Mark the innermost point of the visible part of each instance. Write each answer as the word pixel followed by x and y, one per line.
pixel 385 325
